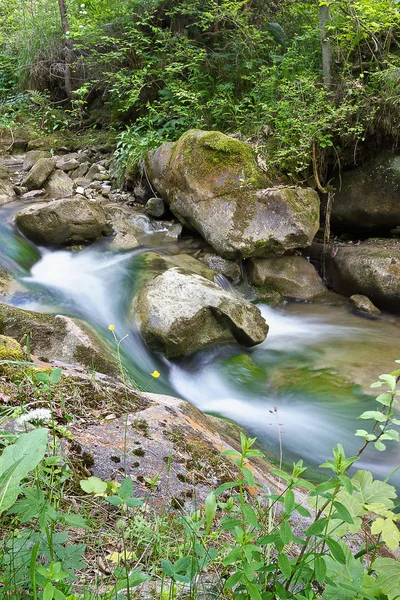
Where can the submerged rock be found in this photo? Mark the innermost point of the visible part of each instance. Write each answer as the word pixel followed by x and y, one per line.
pixel 62 222
pixel 39 173
pixel 371 268
pixel 213 184
pixel 179 312
pixel 290 276
pixel 369 195
pixel 57 338
pixel 364 304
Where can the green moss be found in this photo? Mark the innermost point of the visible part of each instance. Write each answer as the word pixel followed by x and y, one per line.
pixel 92 358
pixel 10 349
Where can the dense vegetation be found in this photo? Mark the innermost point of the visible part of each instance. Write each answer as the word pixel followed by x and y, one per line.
pixel 310 85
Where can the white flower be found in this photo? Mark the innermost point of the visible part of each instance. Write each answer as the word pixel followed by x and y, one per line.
pixel 37 414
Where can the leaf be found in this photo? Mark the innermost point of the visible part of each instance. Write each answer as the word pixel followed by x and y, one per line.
pixel 388 571
pixel 336 550
pixel 389 531
pixel 373 414
pixel 368 491
pixel 385 399
pixel 317 527
pixel 22 456
pixel 167 567
pixel 379 446
pixel 250 515
pixel 289 501
pixel 93 485
pixel 126 489
pixel 343 581
pixel 118 557
pixel 75 521
pixel 320 569
pixel 343 512
pixel 210 507
pixel 55 376
pixel 285 532
pixel 249 477
pixel 48 591
pixel 233 580
pixel 284 565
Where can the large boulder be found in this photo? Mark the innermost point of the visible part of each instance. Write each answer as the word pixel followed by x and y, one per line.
pixel 214 185
pixel 179 312
pixel 39 173
pixel 6 191
pixel 291 276
pixel 63 222
pixel 371 268
pixel 57 338
pixel 369 197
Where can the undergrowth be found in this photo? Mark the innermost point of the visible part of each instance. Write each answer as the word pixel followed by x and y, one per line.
pixel 335 540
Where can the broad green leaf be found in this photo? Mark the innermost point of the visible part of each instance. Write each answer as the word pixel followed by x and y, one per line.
pixel 350 574
pixel 285 532
pixel 343 512
pixel 389 531
pixel 233 580
pixel 249 477
pixel 126 488
pixel 373 414
pixel 93 485
pixel 380 446
pixel 250 515
pixel 22 456
pixel 388 571
pixel 368 491
pixel 48 591
pixel 385 399
pixel 317 527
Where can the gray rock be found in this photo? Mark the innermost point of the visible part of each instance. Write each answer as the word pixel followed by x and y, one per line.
pixel 63 222
pixel 7 193
pixel 81 170
pixel 95 169
pixel 67 164
pixel 290 276
pixel 364 304
pixel 33 194
pixel 33 156
pixel 81 182
pixel 106 190
pixel 155 207
pixel 371 269
pixel 230 269
pixel 59 185
pixel 39 173
pixel 369 196
pixel 57 338
pixel 101 177
pixel 20 190
pixel 179 313
pixel 213 184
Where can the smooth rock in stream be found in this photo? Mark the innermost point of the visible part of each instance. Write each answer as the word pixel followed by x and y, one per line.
pixel 179 313
pixel 364 304
pixel 290 276
pixel 214 185
pixel 39 173
pixel 63 222
pixel 155 207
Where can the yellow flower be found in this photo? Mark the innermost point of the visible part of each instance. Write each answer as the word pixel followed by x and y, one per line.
pixel 111 327
pixel 155 374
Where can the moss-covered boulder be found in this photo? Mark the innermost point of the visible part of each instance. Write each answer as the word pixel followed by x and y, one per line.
pixel 59 185
pixel 57 338
pixel 368 196
pixel 33 156
pixel 39 173
pixel 63 222
pixel 371 268
pixel 214 185
pixel 291 276
pixel 179 312
pixel 10 349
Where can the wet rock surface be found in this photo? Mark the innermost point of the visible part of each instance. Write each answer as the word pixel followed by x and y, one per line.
pixel 213 184
pixel 179 312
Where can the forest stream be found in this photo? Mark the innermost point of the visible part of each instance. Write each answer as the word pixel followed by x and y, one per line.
pixel 293 391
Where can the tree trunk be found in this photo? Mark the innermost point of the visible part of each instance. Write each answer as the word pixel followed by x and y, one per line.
pixel 68 53
pixel 326 45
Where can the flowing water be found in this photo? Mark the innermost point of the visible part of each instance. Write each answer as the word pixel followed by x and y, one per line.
pixel 292 391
